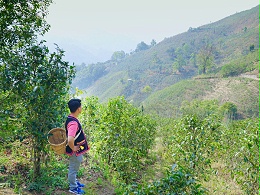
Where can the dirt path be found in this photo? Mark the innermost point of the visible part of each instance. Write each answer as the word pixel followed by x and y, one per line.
pixel 5 191
pixel 220 91
pixel 250 76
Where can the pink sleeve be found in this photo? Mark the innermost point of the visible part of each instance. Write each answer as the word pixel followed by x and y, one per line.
pixel 72 128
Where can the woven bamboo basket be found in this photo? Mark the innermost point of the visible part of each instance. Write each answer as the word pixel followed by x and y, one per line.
pixel 57 139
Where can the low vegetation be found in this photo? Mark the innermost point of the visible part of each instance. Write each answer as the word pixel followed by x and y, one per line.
pixel 126 146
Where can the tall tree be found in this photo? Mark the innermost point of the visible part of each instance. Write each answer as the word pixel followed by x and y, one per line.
pixel 206 58
pixel 118 55
pixel 141 46
pixel 193 60
pixel 179 61
pixel 29 71
pixel 153 43
pixel 41 81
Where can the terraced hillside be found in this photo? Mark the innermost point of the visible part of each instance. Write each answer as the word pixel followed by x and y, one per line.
pixel 243 92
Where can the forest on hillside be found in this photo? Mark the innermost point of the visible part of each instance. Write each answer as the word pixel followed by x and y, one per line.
pixel 204 145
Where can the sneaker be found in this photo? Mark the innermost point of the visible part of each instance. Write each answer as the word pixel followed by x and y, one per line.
pixel 80 185
pixel 77 191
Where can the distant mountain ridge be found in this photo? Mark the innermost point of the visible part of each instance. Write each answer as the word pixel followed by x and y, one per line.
pixel 91 48
pixel 140 74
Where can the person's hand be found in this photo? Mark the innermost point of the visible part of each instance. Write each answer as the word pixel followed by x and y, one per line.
pixel 76 148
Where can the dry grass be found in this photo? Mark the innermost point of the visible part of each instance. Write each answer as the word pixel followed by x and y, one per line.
pixel 222 183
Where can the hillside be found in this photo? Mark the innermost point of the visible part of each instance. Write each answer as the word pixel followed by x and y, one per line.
pixel 240 91
pixel 174 59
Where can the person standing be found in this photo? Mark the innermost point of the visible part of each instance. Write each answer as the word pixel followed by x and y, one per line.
pixel 77 145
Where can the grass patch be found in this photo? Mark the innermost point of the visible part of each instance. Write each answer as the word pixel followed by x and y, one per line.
pixel 220 181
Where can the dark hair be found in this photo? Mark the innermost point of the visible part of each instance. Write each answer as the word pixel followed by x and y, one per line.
pixel 74 104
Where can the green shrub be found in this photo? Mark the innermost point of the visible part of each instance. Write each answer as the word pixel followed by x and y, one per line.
pixel 121 134
pixel 177 182
pixel 193 142
pixel 232 69
pixel 241 142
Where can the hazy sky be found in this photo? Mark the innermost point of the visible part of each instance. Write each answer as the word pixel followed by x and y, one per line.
pixel 111 25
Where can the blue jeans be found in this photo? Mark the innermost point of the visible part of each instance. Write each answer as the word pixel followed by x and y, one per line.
pixel 74 163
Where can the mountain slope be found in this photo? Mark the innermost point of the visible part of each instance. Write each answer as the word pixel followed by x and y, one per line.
pixel 231 38
pixel 243 92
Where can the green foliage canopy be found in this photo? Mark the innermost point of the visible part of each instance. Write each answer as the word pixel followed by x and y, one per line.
pixel 20 20
pixel 31 73
pixel 118 55
pixel 141 46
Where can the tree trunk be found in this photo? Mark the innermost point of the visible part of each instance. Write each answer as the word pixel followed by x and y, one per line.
pixel 36 161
